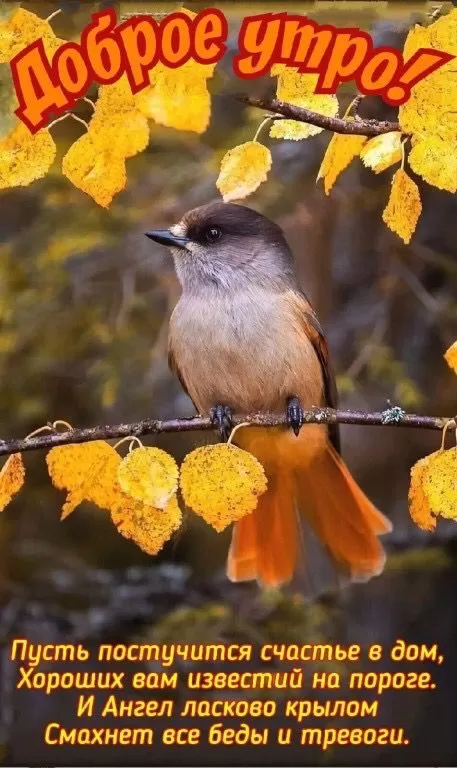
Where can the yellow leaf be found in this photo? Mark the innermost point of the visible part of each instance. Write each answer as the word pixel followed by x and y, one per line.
pixel 404 206
pixel 178 98
pixel 25 157
pixel 221 483
pixel 432 106
pixel 149 475
pixel 117 124
pixel 148 527
pixel 12 477
pixel 341 151
pixel 440 483
pixel 419 507
pixel 380 152
pixel 299 89
pixel 433 159
pixel 451 356
pixel 88 472
pixel 98 172
pixel 23 28
pixel 443 32
pixel 243 169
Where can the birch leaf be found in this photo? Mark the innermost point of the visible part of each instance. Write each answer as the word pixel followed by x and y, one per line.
pixel 243 169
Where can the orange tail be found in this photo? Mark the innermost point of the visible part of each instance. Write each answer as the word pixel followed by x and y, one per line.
pixel 266 544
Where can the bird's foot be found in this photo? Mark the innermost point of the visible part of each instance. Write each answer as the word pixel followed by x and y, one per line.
pixel 295 417
pixel 221 417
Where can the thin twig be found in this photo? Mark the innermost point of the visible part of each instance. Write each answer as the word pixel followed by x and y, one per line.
pixel 394 417
pixel 64 117
pixel 359 127
pixel 52 16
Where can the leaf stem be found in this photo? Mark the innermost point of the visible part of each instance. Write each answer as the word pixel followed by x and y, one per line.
pixel 268 119
pixel 55 13
pixel 64 117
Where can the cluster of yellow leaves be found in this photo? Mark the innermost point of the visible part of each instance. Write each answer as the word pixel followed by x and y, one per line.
pixel 430 114
pixel 23 157
pixel 95 163
pixel 221 483
pixel 91 472
pixel 429 117
pixel 119 128
pixel 433 487
pixel 177 98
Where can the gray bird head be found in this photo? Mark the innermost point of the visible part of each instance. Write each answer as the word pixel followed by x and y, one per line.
pixel 227 246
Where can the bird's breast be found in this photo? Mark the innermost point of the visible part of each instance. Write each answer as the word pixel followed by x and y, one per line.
pixel 248 351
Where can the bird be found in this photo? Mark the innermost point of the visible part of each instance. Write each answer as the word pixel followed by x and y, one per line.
pixel 243 338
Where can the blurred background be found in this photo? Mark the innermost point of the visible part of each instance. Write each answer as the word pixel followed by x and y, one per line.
pixel 84 305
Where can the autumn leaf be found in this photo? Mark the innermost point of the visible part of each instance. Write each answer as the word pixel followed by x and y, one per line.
pixel 25 157
pixel 22 29
pixel 419 507
pixel 451 356
pixel 432 159
pixel 148 527
pixel 221 483
pixel 117 124
pixel 98 172
pixel 380 152
pixel 149 475
pixel 88 471
pixel 178 98
pixel 341 151
pixel 299 89
pixel 243 169
pixel 439 481
pixel 432 107
pixel 404 206
pixel 12 477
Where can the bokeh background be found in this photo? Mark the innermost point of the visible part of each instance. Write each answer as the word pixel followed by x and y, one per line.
pixel 84 305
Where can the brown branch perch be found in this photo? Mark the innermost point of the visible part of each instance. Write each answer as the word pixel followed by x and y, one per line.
pixel 394 417
pixel 358 126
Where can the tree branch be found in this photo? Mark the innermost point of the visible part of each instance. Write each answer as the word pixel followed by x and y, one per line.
pixel 355 127
pixel 394 417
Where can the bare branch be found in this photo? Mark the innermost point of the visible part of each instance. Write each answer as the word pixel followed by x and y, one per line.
pixel 394 417
pixel 356 127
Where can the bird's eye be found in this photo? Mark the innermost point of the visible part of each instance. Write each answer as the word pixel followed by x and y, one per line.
pixel 212 234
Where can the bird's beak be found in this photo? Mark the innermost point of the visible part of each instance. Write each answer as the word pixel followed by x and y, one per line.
pixel 165 237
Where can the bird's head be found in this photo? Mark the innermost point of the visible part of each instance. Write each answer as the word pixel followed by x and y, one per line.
pixel 224 245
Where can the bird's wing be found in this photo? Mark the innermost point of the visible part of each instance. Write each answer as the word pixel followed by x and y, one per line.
pixel 174 368
pixel 317 338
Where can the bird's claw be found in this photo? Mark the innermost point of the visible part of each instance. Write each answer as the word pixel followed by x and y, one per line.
pixel 295 416
pixel 221 417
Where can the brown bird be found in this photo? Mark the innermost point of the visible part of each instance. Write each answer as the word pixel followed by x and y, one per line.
pixel 243 337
